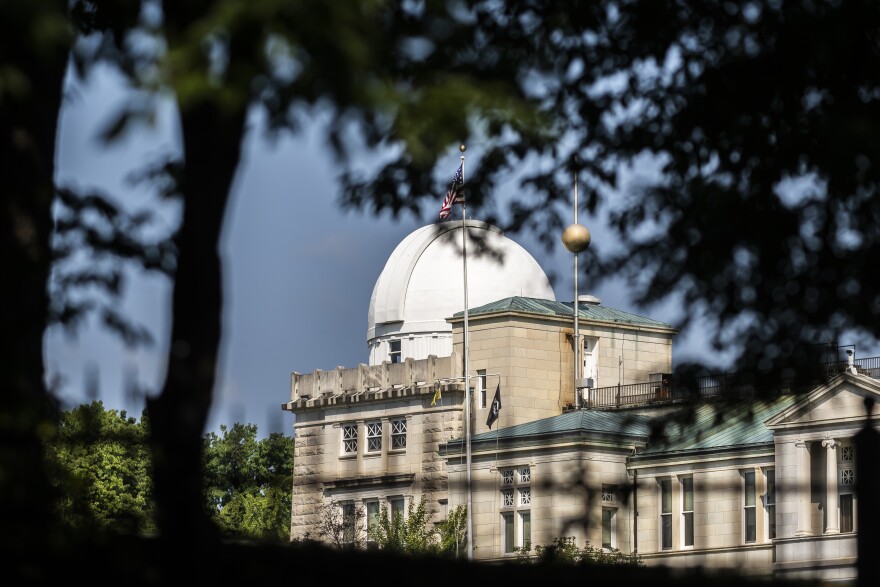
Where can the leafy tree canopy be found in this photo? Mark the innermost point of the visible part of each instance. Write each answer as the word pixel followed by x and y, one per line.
pixel 408 533
pixel 248 482
pixel 453 533
pixel 102 470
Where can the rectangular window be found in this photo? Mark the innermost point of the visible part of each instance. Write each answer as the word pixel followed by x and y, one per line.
pixel 687 510
pixel 372 516
pixel 608 527
pixel 771 503
pixel 846 512
pixel 350 439
pixel 516 500
pixel 608 492
pixel 525 524
pixel 398 434
pixel 396 508
pixel 665 513
pixel 509 542
pixel 349 519
pixel 481 373
pixel 374 436
pixel 749 525
pixel 394 351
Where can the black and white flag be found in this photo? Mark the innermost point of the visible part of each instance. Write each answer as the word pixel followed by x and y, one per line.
pixel 495 407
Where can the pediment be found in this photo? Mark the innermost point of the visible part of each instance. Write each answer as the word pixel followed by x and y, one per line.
pixel 841 399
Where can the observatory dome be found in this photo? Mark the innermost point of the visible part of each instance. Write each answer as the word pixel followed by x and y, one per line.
pixel 422 284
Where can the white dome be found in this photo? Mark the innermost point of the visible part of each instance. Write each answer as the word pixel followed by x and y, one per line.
pixel 422 284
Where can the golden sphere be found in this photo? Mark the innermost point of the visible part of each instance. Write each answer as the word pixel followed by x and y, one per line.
pixel 462 148
pixel 576 238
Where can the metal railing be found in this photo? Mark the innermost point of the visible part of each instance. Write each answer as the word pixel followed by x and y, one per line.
pixel 704 387
pixel 869 366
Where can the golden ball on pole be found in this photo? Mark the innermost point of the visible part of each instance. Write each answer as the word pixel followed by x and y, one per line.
pixel 576 238
pixel 462 148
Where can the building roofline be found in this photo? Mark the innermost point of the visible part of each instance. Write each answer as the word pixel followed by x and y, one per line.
pixel 475 314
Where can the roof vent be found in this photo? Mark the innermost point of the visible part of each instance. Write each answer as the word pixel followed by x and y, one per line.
pixel 589 299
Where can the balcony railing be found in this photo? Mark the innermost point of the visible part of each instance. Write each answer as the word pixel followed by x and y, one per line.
pixel 705 387
pixel 869 366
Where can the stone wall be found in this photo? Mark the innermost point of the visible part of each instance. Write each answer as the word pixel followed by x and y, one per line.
pixel 306 500
pixel 531 357
pixel 565 488
pixel 324 476
pixel 719 500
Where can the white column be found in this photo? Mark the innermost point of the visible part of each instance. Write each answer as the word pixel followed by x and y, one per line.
pixel 804 526
pixel 831 498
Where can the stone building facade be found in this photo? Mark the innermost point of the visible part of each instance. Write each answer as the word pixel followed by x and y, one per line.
pixel 370 436
pixel 763 486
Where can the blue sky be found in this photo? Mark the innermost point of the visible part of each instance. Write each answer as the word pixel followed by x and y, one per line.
pixel 298 271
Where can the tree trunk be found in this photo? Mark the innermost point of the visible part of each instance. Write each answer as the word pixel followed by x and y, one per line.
pixel 28 412
pixel 212 141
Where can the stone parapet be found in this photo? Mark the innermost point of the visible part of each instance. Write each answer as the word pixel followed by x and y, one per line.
pixel 369 380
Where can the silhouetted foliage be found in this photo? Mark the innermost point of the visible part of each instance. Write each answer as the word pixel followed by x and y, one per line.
pixel 753 126
pixel 750 128
pixel 564 551
pixel 93 242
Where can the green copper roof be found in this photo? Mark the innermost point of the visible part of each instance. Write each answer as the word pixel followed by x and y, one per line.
pixel 715 426
pixel 554 308
pixel 719 425
pixel 575 422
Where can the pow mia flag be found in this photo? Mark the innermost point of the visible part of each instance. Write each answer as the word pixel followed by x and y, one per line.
pixel 495 408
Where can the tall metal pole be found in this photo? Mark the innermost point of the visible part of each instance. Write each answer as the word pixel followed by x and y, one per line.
pixel 576 239
pixel 576 309
pixel 467 373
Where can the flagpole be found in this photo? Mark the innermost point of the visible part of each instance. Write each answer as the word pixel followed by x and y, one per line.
pixel 467 382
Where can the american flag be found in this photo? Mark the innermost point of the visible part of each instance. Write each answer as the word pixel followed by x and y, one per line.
pixel 455 195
